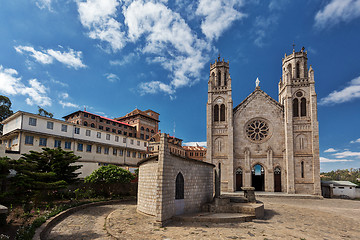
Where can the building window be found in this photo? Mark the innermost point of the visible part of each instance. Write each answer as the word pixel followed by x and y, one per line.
pixel 138 143
pixel 128 153
pixel 121 152
pixel 147 130
pixel 222 112
pixel 114 123
pixel 131 141
pixel 147 137
pixel 92 125
pixel 80 147
pixel 29 140
pixel 107 136
pixel 88 133
pixel 295 107
pixel 63 128
pixel 179 186
pixel 67 145
pixel 43 142
pixel 119 132
pixel 85 123
pixel 144 144
pixel 125 133
pixel 152 131
pixel 142 128
pixel 144 155
pixel 303 107
pixel 77 130
pixel 98 134
pixel 125 126
pixel 216 113
pixel 106 150
pixel 101 127
pixel 100 120
pixel 86 115
pixel 130 134
pixel 108 129
pixel 141 136
pixel 98 149
pixel 116 138
pixel 302 169
pixel 113 130
pixel 134 154
pixel 219 78
pixel 57 143
pixel 124 140
pixel 50 125
pixel 107 122
pixel 139 155
pixel 92 117
pixel 32 121
pixel 114 151
pixel 88 148
pixel 297 70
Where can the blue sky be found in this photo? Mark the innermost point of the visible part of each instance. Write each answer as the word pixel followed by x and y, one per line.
pixel 112 56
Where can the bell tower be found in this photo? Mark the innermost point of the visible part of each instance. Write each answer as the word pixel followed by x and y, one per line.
pixel 220 123
pixel 297 95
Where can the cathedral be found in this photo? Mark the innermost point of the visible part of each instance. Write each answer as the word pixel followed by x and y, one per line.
pixel 270 145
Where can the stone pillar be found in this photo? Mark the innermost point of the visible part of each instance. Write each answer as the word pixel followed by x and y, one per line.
pixel 289 145
pixel 247 169
pixel 269 186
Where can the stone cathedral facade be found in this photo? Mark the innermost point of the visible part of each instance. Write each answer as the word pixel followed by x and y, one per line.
pixel 268 144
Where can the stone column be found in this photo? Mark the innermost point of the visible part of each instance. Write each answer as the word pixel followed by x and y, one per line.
pixel 269 186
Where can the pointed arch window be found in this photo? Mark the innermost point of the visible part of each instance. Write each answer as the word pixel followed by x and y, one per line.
pixel 289 69
pixel 303 107
pixel 295 107
pixel 179 186
pixel 213 78
pixel 225 77
pixel 222 112
pixel 216 113
pixel 219 78
pixel 297 70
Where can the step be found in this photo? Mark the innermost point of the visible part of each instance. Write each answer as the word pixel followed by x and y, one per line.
pixel 215 217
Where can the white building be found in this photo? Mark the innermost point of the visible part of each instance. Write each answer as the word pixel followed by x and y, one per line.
pixel 342 188
pixel 23 132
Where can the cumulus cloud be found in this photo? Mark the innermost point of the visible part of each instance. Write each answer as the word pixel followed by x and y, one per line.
pixel 68 104
pixel 111 77
pixel 327 160
pixel 194 144
pixel 11 84
pixel 355 141
pixel 347 94
pixel 98 16
pixel 71 58
pixel 330 150
pixel 337 11
pixel 347 154
pixel 219 15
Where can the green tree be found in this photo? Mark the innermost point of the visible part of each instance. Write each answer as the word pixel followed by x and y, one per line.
pixel 5 109
pixel 4 172
pixel 43 112
pixel 110 174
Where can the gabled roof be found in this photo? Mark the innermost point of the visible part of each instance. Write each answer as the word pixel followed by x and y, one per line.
pixel 339 183
pixel 137 111
pixel 252 95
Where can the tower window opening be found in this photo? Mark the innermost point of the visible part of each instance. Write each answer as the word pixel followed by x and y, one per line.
pixel 295 107
pixel 222 112
pixel 216 113
pixel 225 77
pixel 302 169
pixel 219 78
pixel 297 70
pixel 303 107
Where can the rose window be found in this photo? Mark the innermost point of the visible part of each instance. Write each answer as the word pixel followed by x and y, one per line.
pixel 257 130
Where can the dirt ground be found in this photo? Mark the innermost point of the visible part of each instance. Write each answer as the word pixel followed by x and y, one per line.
pixel 284 219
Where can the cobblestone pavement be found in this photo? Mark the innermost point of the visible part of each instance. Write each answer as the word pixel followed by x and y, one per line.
pixel 284 219
pixel 85 224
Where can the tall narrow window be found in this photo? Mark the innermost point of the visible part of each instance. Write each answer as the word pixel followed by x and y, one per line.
pixel 222 112
pixel 213 78
pixel 295 107
pixel 302 169
pixel 216 113
pixel 225 77
pixel 179 186
pixel 303 107
pixel 219 78
pixel 298 70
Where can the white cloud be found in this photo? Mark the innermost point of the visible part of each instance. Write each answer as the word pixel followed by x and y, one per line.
pixel 201 144
pixel 337 11
pixel 261 27
pixel 42 4
pixel 327 160
pixel 125 60
pixel 219 15
pixel 355 141
pixel 59 82
pixel 70 59
pixel 64 95
pixel 68 104
pixel 277 4
pixel 347 154
pixel 112 77
pixel 330 150
pixel 98 16
pixel 345 95
pixel 10 84
pixel 154 87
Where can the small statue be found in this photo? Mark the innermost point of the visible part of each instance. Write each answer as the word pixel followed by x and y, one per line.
pixel 257 82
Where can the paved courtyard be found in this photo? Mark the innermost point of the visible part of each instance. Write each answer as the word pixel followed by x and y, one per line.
pixel 284 219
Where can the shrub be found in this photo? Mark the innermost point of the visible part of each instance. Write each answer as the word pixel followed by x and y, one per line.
pixel 110 174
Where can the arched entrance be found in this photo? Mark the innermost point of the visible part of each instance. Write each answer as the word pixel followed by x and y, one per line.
pixel 239 183
pixel 258 177
pixel 277 179
pixel 179 194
